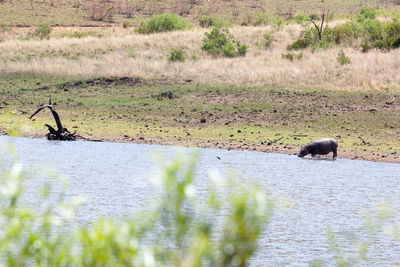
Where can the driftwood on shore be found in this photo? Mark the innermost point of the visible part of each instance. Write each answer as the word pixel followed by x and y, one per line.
pixel 61 133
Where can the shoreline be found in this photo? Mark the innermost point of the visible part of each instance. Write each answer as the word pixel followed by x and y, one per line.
pixel 279 149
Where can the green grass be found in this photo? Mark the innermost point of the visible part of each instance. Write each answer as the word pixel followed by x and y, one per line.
pixel 236 117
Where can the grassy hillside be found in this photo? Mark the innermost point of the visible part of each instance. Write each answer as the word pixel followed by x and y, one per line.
pixel 118 52
pixel 35 12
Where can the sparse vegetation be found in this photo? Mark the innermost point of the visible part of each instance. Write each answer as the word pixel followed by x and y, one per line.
pixel 302 19
pixel 212 21
pixel 43 31
pixel 266 41
pixel 372 32
pixel 163 23
pixel 342 58
pixel 276 21
pixel 81 34
pixel 291 56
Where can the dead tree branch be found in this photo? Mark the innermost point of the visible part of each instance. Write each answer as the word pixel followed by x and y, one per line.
pixel 61 133
pixel 319 28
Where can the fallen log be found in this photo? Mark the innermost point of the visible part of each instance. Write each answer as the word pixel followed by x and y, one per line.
pixel 61 133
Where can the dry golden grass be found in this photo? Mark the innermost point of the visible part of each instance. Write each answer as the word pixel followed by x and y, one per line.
pixel 123 53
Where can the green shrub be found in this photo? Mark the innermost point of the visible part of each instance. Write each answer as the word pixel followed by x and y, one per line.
pixel 365 46
pixel 366 14
pixel 314 17
pixel 301 19
pixel 229 50
pixel 298 45
pixel 263 18
pixel 311 39
pixel 221 42
pixel 242 49
pixel 373 29
pixel 177 55
pixel 125 24
pixel 380 35
pixel 43 31
pixel 347 32
pixel 291 57
pixel 162 23
pixel 342 58
pixel 392 35
pixel 277 22
pixel 212 21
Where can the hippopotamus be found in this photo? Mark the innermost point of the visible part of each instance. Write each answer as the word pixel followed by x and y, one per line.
pixel 322 146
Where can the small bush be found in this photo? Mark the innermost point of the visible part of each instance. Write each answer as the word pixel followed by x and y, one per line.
pixel 221 42
pixel 212 21
pixel 392 35
pixel 301 19
pixel 347 32
pixel 43 31
pixel 125 24
pixel 267 41
pixel 263 18
pixel 4 27
pixel 278 22
pixel 242 49
pixel 311 39
pixel 314 17
pixel 298 45
pixel 291 57
pixel 366 14
pixel 177 55
pixel 162 23
pixel 342 58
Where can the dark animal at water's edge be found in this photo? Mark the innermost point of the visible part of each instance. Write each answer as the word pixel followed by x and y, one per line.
pixel 61 133
pixel 320 147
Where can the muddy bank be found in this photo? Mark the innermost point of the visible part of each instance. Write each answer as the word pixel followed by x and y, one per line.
pixel 376 156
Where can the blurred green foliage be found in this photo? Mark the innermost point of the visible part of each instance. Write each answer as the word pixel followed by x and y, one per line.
pixel 181 231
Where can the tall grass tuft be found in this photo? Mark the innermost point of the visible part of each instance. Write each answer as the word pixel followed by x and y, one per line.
pixel 43 31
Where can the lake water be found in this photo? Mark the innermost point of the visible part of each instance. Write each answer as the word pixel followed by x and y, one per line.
pixel 115 179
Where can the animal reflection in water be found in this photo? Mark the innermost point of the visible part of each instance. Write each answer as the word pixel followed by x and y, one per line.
pixel 320 147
